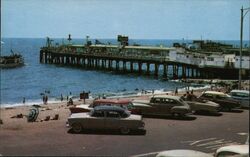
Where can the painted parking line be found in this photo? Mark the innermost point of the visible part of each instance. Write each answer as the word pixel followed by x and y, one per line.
pixel 197 141
pixel 213 142
pixel 242 133
pixel 215 147
pixel 210 143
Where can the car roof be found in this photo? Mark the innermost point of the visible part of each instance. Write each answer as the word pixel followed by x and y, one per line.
pixel 167 96
pixel 240 149
pixel 183 153
pixel 112 101
pixel 214 92
pixel 109 108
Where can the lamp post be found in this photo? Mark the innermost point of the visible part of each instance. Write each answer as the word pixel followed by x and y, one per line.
pixel 241 36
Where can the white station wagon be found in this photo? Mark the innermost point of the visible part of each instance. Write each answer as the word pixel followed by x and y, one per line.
pixel 242 96
pixel 106 117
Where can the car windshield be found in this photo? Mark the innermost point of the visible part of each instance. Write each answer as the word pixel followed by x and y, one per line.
pixel 91 112
pixel 130 106
pixel 181 100
pixel 126 114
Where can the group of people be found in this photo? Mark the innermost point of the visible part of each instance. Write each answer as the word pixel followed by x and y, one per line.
pixel 45 98
pixel 189 96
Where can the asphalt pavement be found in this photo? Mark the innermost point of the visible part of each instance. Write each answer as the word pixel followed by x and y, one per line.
pixel 197 132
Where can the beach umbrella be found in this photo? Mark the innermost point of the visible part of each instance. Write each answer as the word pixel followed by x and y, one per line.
pixel 33 114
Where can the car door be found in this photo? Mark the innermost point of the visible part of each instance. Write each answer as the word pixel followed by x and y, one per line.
pixel 155 104
pixel 96 120
pixel 112 120
pixel 165 106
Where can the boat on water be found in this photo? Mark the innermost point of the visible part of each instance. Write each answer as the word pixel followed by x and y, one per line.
pixel 11 61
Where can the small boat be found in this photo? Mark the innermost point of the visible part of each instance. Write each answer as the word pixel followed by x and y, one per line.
pixel 11 61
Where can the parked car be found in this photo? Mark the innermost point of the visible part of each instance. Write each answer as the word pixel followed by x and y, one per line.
pixel 124 103
pixel 233 150
pixel 199 105
pixel 242 96
pixel 183 153
pixel 106 117
pixel 225 101
pixel 162 105
pixel 226 151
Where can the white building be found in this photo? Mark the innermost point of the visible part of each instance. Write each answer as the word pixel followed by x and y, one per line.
pixel 215 60
pixel 180 55
pixel 245 62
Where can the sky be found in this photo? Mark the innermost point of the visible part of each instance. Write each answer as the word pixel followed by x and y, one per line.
pixel 138 19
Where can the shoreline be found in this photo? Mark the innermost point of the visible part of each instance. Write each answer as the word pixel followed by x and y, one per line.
pixel 118 95
pixel 191 84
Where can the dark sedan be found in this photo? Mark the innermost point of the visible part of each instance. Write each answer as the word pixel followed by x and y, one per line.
pixel 225 101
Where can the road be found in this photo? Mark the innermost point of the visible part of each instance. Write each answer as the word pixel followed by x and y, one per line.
pixel 199 132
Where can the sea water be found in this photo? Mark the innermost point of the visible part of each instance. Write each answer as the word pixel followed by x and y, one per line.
pixel 32 80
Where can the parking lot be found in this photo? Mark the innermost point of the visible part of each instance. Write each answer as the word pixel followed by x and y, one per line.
pixel 198 132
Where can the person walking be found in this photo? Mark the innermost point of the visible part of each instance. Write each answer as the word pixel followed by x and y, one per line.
pixel 61 97
pixel 23 100
pixel 43 99
pixel 46 99
pixel 176 91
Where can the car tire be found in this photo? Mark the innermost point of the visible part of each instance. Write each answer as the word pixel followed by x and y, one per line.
pixel 77 127
pixel 178 115
pixel 124 130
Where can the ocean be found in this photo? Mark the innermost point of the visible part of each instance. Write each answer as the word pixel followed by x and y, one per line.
pixel 33 79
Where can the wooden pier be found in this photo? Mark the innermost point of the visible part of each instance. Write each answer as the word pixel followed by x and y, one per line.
pixel 142 65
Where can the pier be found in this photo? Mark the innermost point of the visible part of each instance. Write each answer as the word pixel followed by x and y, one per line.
pixel 123 64
pixel 141 60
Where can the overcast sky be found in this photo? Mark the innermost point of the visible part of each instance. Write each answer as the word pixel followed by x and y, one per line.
pixel 139 19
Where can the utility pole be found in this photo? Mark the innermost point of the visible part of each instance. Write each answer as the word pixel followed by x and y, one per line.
pixel 241 36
